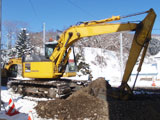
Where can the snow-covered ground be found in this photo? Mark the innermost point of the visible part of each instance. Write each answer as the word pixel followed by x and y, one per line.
pixel 109 69
pixel 22 104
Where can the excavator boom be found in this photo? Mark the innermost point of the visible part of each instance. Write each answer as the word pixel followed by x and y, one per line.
pixel 74 33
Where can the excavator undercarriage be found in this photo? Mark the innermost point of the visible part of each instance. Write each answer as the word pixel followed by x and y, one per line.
pixel 41 88
pixel 45 88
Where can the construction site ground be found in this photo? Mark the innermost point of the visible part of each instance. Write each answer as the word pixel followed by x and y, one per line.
pixel 91 103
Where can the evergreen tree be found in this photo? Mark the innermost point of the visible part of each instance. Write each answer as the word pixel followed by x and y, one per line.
pixel 23 45
pixel 82 67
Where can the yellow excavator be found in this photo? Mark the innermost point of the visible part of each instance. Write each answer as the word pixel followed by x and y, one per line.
pixel 47 73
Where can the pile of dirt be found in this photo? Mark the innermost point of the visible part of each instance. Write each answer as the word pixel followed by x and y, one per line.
pixel 91 103
pixel 78 107
pixel 81 104
pixel 97 88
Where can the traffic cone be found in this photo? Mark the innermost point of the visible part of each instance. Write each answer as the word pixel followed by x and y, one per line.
pixel 11 108
pixel 153 84
pixel 30 116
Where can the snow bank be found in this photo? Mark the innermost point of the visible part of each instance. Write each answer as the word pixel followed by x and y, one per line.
pixel 106 66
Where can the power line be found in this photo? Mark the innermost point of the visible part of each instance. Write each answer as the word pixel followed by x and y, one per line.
pixel 156 29
pixel 83 10
pixel 32 6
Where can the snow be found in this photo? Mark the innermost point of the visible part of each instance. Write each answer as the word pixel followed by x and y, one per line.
pixel 23 105
pixel 110 70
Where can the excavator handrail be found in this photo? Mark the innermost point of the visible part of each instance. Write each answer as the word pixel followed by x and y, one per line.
pixel 113 18
pixel 135 14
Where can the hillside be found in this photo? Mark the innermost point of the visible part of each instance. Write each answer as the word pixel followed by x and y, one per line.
pixel 102 63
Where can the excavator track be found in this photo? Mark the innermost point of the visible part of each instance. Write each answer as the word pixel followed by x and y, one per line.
pixel 42 88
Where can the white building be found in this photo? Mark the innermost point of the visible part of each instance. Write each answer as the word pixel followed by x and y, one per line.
pixel 148 72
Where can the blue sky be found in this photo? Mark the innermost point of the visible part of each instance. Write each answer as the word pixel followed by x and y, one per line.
pixel 59 14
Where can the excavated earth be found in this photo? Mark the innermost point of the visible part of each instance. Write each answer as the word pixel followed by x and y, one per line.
pixel 92 103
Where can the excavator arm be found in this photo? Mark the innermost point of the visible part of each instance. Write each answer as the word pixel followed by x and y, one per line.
pixel 92 28
pixel 86 29
pixel 74 33
pixel 140 42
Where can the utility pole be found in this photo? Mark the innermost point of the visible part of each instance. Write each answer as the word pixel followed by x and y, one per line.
pixel 0 47
pixel 44 35
pixel 121 54
pixel 8 41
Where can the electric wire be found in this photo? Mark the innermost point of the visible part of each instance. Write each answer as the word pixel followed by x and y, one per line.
pixel 33 9
pixel 83 10
pixel 35 12
pixel 156 29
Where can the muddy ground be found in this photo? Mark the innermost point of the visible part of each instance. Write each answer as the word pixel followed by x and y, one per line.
pixel 90 103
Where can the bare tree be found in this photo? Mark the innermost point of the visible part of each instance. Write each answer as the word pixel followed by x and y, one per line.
pixel 36 38
pixel 11 30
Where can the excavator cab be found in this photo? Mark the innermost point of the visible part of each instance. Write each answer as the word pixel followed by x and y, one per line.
pixel 71 67
pixel 49 48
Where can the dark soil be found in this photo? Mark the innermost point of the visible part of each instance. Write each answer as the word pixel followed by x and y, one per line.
pixel 79 107
pixel 90 103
